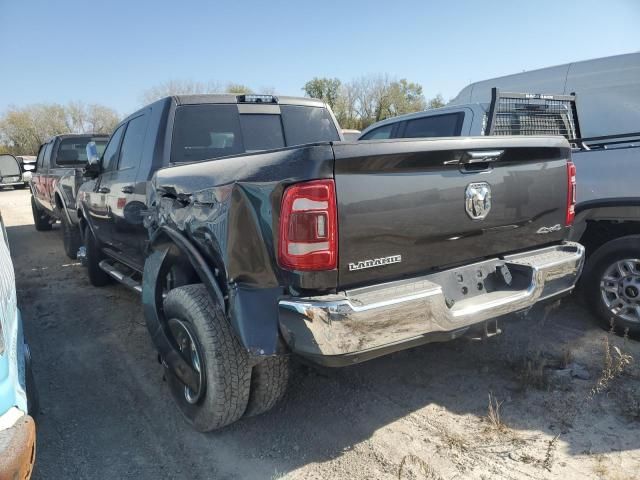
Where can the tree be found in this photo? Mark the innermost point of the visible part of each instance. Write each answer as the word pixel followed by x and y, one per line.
pixel 190 87
pixel 325 89
pixel 179 87
pixel 435 102
pixel 373 98
pixel 397 98
pixel 237 88
pixel 23 130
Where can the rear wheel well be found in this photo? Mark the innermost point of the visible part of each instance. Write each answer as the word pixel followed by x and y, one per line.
pixel 186 273
pixel 599 232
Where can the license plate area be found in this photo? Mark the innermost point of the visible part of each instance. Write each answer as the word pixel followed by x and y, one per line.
pixel 480 279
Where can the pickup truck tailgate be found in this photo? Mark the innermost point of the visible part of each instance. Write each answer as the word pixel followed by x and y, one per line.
pixel 407 207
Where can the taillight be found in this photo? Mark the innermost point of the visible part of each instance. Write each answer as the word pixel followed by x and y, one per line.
pixel 309 227
pixel 571 193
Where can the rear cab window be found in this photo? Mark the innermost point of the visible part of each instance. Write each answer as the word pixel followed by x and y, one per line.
pixel 447 125
pixel 380 133
pixel 73 151
pixel 209 131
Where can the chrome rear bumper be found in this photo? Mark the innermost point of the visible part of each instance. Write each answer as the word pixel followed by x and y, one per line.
pixel 367 322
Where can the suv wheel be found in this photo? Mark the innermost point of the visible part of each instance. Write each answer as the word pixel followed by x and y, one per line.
pixel 612 284
pixel 269 380
pixel 204 336
pixel 70 237
pixel 94 256
pixel 41 219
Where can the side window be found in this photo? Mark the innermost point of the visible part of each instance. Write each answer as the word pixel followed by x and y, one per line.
pixel 448 125
pixel 110 155
pixel 379 133
pixel 41 155
pixel 46 162
pixel 133 143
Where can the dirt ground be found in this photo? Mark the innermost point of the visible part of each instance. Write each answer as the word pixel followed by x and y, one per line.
pixel 564 410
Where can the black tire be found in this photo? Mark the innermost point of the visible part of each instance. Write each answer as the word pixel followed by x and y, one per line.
pixel 97 276
pixel 41 219
pixel 598 264
pixel 224 364
pixel 20 187
pixel 269 380
pixel 70 237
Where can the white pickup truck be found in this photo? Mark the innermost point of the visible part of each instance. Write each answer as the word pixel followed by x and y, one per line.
pixel 595 105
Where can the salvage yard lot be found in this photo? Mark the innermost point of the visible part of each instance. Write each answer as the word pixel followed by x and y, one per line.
pixel 106 413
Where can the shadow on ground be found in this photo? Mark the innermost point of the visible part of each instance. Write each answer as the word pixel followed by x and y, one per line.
pixel 106 412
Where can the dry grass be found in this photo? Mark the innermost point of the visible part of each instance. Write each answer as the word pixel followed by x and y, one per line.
pixel 551 448
pixel 532 373
pixel 410 463
pixel 629 401
pixel 600 468
pixel 454 441
pixel 493 417
pixel 615 361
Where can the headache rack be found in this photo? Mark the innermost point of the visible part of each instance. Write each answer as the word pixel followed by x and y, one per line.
pixel 532 114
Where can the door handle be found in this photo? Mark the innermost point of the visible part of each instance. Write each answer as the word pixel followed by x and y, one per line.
pixel 481 156
pixel 103 190
pixel 127 189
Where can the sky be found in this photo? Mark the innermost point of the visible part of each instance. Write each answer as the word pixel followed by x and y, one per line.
pixel 111 51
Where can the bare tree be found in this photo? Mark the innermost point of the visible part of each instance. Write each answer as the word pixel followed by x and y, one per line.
pixel 373 98
pixel 191 87
pixel 23 130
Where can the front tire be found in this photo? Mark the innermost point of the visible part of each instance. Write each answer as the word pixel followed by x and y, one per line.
pixel 612 284
pixel 207 342
pixel 41 219
pixel 20 187
pixel 70 237
pixel 97 276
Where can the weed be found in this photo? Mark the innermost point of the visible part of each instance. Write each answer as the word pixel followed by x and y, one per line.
pixel 615 361
pixel 630 403
pixel 567 357
pixel 424 468
pixel 548 458
pixel 600 468
pixel 493 415
pixel 532 372
pixel 453 440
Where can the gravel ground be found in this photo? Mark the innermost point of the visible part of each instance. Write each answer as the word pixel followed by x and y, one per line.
pixel 423 413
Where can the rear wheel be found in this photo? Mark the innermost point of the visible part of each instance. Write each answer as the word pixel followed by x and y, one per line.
pixel 41 219
pixel 269 380
pixel 70 237
pixel 612 284
pixel 204 337
pixel 94 256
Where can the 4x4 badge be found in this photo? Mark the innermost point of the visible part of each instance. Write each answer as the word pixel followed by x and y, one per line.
pixel 477 200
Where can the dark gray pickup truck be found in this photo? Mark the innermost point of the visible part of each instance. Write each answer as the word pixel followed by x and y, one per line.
pixel 55 179
pixel 252 232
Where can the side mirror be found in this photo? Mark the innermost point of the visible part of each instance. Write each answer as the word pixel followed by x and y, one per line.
pixel 92 170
